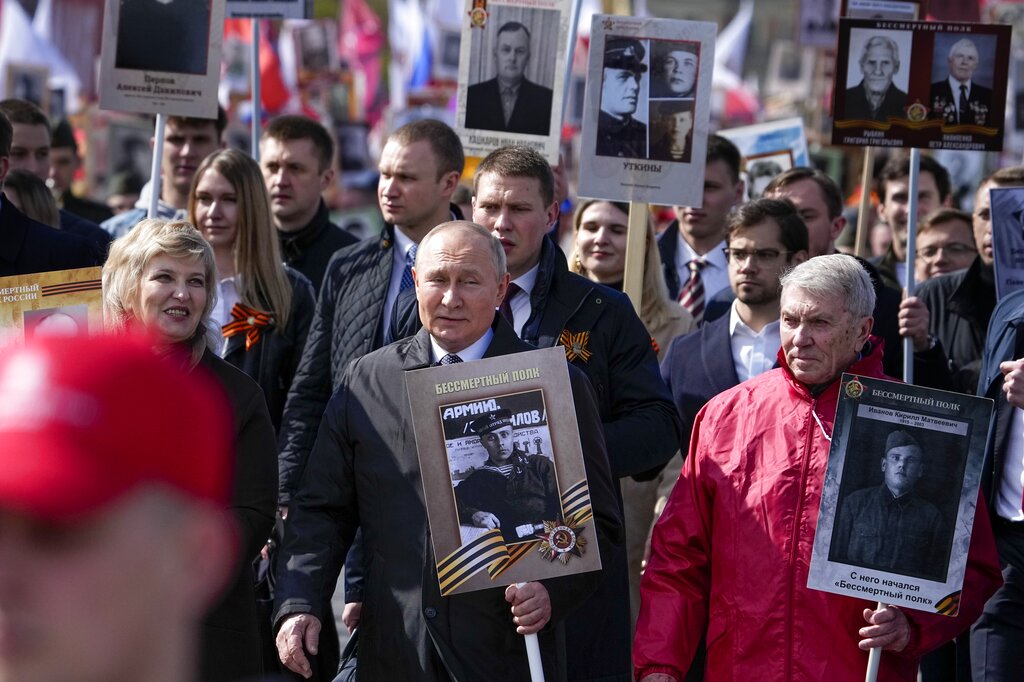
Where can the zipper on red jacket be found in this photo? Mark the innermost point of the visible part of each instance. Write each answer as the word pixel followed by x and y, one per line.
pixel 794 540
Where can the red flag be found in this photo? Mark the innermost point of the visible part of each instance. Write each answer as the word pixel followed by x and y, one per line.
pixel 274 94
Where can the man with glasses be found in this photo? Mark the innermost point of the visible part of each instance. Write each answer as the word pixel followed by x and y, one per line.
pixel 764 238
pixel 945 244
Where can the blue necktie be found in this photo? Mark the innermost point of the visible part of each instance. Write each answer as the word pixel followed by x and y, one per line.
pixel 410 260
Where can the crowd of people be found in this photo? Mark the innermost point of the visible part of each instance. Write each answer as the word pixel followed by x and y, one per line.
pixel 272 355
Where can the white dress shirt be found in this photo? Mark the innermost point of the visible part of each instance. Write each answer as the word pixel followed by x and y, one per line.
pixel 753 353
pixel 475 351
pixel 1011 483
pixel 714 276
pixel 402 246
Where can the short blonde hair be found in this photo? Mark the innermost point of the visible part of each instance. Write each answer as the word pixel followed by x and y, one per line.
pixel 131 254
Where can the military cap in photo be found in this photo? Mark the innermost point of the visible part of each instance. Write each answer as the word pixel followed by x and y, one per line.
pixel 624 53
pixel 492 421
pixel 899 439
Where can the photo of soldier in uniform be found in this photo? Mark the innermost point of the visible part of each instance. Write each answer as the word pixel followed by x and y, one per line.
pixel 502 468
pixel 671 131
pixel 889 519
pixel 961 90
pixel 623 85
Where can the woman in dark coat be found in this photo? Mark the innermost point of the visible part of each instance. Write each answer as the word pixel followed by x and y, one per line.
pixel 160 277
pixel 264 308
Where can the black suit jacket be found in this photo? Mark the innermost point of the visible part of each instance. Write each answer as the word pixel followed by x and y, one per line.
pixel 696 368
pixel 27 247
pixel 531 114
pixel 364 472
pixel 942 103
pixel 856 105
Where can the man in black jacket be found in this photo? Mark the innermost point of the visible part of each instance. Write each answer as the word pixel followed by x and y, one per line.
pixel 602 335
pixel 364 472
pixel 64 163
pixel 26 246
pixel 297 158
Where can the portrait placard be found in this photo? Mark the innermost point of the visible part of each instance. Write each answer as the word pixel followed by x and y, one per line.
pixel 899 495
pixel 648 103
pixel 270 9
pixel 818 22
pixel 28 82
pixel 511 74
pixel 503 475
pixel 162 57
pixel 930 85
pixel 1007 208
pixel 768 149
pixel 61 303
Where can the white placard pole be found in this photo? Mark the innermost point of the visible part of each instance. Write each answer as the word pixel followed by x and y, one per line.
pixel 256 108
pixel 533 654
pixel 154 169
pixel 874 656
pixel 915 172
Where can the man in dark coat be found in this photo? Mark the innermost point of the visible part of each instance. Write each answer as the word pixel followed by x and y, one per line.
pixel 364 472
pixel 509 102
pixel 64 163
pixel 876 98
pixel 602 336
pixel 297 156
pixel 618 133
pixel 957 99
pixel 27 246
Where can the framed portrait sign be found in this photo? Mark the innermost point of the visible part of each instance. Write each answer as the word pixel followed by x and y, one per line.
pixel 162 57
pixel 511 74
pixel 818 22
pixel 270 9
pixel 502 467
pixel 931 85
pixel 648 103
pixel 28 82
pixel 899 495
pixel 1007 207
pixel 61 303
pixel 768 149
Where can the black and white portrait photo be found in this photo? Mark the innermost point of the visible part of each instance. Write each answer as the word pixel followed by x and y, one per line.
pixel 878 75
pixel 671 130
pixel 621 123
pixel 511 78
pixel 674 68
pixel 172 36
pixel 502 466
pixel 961 90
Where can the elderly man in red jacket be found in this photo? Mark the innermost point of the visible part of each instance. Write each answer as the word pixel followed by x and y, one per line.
pixel 730 555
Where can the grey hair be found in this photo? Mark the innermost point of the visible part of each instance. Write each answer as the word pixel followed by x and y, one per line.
pixel 497 252
pixel 838 277
pixel 963 42
pixel 888 42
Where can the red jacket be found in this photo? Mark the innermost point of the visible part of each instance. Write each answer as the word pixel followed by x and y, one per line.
pixel 731 552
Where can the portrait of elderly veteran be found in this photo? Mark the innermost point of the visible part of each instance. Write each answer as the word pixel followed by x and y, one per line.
pixel 876 97
pixel 160 278
pixel 364 472
pixel 510 102
pixel 890 527
pixel 111 552
pixel 512 490
pixel 771 434
pixel 674 68
pixel 618 133
pixel 958 99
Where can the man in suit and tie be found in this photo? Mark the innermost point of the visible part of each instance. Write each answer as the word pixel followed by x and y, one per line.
pixel 957 99
pixel 764 238
pixel 509 102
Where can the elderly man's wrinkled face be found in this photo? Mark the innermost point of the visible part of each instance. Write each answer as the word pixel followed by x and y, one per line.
pixel 680 72
pixel 498 444
pixel 878 66
pixel 903 468
pixel 963 62
pixel 619 90
pixel 820 338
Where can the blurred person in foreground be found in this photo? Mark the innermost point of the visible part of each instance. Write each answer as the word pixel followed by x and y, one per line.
pixel 160 278
pixel 110 552
pixel 771 434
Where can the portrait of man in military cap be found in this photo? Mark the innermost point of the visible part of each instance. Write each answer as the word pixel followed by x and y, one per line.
pixel 513 489
pixel 622 86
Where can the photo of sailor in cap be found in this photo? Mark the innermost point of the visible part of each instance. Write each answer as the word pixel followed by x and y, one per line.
pixel 618 132
pixel 511 490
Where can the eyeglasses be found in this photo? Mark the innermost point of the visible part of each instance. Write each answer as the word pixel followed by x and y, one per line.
pixel 954 249
pixel 756 255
